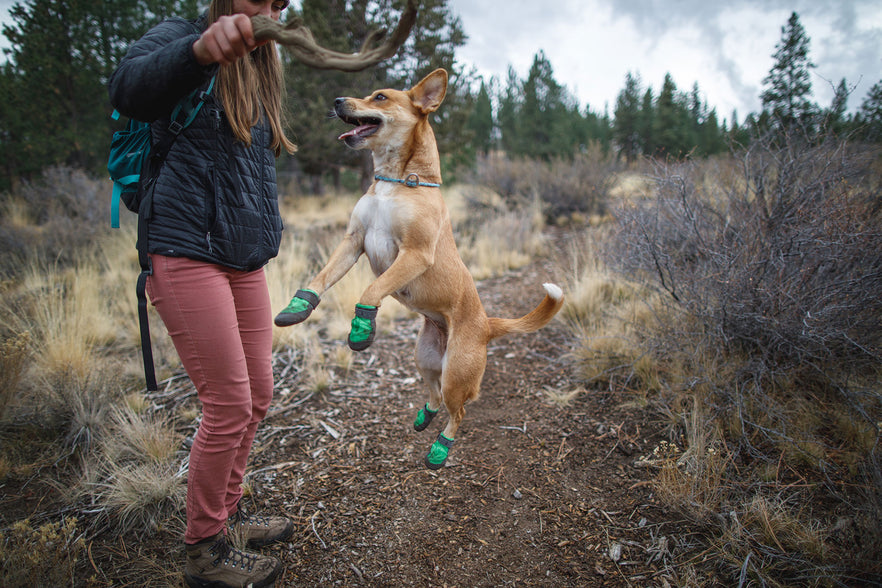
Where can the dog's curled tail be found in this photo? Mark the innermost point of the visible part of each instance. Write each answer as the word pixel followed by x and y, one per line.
pixel 533 320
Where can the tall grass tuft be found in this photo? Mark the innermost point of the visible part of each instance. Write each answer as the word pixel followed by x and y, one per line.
pixel 146 437
pixel 144 497
pixel 494 236
pixel 607 316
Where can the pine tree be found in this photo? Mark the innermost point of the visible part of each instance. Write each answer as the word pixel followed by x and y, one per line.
pixel 481 120
pixel 510 100
pixel 311 92
pixel 56 109
pixel 626 128
pixel 870 115
pixel 646 124
pixel 673 130
pixel 788 85
pixel 711 136
pixel 550 120
pixel 836 118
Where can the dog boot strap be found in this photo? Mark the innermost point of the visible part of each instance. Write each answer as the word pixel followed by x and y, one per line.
pixel 424 417
pixel 364 325
pixel 309 296
pixel 439 451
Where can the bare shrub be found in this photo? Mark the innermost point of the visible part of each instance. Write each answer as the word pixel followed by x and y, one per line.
pixel 568 188
pixel 772 313
pixel 52 218
pixel 785 267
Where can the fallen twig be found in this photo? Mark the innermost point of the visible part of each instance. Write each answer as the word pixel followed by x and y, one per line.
pixel 312 520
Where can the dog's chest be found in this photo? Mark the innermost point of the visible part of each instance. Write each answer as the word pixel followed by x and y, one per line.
pixel 377 213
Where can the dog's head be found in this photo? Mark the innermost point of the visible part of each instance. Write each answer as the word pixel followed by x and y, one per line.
pixel 388 117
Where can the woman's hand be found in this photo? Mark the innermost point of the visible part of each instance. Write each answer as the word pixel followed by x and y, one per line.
pixel 225 41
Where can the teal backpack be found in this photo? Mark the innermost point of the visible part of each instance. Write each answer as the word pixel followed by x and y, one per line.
pixel 132 155
pixel 130 150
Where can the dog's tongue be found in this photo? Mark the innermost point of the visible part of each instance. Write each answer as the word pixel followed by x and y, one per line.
pixel 360 130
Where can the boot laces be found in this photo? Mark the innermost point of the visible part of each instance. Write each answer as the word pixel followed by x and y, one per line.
pixel 228 556
pixel 243 517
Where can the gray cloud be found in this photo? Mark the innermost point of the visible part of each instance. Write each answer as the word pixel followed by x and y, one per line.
pixel 850 49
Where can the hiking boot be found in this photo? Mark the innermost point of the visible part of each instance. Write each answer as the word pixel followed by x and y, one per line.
pixel 214 563
pixel 258 531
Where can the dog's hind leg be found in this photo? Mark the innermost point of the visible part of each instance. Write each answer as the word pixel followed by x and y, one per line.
pixel 429 357
pixel 463 368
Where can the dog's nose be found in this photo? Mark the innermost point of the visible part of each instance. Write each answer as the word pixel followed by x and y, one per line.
pixel 339 102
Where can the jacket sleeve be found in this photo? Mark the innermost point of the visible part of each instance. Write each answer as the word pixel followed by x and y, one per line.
pixel 158 70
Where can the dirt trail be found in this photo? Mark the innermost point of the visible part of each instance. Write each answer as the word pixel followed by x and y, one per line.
pixel 534 494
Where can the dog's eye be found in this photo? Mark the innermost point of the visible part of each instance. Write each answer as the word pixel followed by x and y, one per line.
pixel 380 97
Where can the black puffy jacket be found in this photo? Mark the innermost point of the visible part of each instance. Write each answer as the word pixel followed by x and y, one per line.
pixel 215 198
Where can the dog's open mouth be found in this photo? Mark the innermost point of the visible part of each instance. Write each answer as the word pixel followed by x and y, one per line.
pixel 364 127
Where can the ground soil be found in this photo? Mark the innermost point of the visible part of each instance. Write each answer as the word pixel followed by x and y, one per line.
pixel 535 492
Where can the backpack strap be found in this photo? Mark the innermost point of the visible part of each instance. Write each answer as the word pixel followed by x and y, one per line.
pixel 141 293
pixel 157 158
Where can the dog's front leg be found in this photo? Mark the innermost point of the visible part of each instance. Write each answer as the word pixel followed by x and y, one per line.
pixel 409 264
pixel 340 262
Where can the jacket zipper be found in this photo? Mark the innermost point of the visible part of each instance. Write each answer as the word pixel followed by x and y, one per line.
pixel 216 120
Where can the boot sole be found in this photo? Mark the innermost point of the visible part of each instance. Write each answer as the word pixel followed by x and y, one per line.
pixel 268 582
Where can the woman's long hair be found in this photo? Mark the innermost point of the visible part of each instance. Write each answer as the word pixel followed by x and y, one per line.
pixel 251 87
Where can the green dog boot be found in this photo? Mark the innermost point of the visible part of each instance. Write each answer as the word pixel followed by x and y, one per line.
pixel 364 325
pixel 300 307
pixel 423 418
pixel 437 455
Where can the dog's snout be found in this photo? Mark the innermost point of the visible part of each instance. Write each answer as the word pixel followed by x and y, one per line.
pixel 339 102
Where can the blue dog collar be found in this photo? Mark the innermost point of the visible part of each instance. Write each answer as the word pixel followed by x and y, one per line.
pixel 411 181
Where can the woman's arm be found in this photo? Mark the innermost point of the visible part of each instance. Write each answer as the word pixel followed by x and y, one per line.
pixel 158 70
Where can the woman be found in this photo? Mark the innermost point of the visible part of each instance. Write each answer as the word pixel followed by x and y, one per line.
pixel 213 224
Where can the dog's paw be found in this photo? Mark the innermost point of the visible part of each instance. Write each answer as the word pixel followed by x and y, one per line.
pixel 297 311
pixel 364 326
pixel 423 418
pixel 437 456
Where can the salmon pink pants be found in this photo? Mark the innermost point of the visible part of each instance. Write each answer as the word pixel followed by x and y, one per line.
pixel 220 321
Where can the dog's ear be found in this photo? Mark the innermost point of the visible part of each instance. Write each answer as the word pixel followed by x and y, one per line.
pixel 430 92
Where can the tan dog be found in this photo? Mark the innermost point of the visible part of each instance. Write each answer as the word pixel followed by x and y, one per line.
pixel 403 226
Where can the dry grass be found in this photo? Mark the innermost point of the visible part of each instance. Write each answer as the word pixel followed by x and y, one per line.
pixel 70 335
pixel 143 497
pixel 491 237
pixel 42 556
pixel 13 361
pixel 608 316
pixel 140 437
pixel 562 398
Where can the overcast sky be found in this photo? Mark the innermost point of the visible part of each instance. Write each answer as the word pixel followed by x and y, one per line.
pixel 726 47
